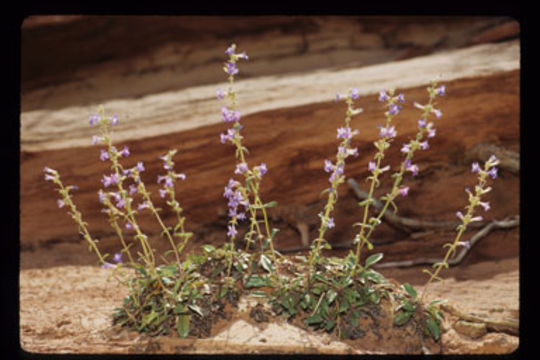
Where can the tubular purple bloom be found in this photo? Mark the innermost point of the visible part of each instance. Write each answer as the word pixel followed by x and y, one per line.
pixel 431 133
pixel 485 205
pixel 241 216
pixel 352 152
pixel 162 193
pixel 60 203
pixel 114 119
pixel 401 98
pixel 465 244
pixel 493 172
pixel 49 177
pixel 241 168
pixel 94 119
pixel 460 215
pixel 101 196
pixel 220 94
pixel 421 123
pixel 389 132
pixel 262 169
pixel 475 167
pixel 117 258
pixel 95 139
pixel 354 93
pixel 437 112
pixel 232 231
pixel 129 226
pixel 441 90
pixel 372 166
pixel 121 203
pixel 405 148
pixel 181 176
pixel 404 191
pixel 383 96
pixel 413 168
pixel 230 50
pixel 230 68
pixel 132 189
pixel 393 109
pixel 229 115
pixel 330 223
pixel 328 166
pixel 344 133
pixel 125 151
pixel 143 205
pixel 140 166
pixel 104 155
pixel 424 145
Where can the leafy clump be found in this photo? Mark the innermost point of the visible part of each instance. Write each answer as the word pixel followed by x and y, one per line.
pixel 187 294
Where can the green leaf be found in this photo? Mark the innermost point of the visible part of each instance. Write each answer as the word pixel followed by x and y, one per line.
pixel 258 294
pixel 409 289
pixel 373 259
pixel 331 296
pixel 182 325
pixel 255 281
pixel 266 263
pixel 208 249
pixel 179 309
pixel 330 325
pixel 402 318
pixel 314 319
pixel 434 329
pixel 197 309
pixel 270 204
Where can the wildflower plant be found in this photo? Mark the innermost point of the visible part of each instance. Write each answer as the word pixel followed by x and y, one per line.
pixel 329 294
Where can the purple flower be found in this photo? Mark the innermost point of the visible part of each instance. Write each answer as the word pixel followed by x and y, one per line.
pixel 344 133
pixel 60 203
pixel 241 168
pixel 493 172
pixel 485 205
pixel 232 231
pixel 129 226
pixel 230 68
pixel 229 115
pixel 465 244
pixel 230 49
pixel 117 258
pixel 431 133
pixel 143 205
pixel 475 167
pixel 132 189
pixel 437 112
pixel 330 223
pixel 424 145
pixel 220 94
pixel 125 152
pixel 405 148
pixel 95 139
pixel 338 97
pixel 120 203
pixel 114 119
pixel 404 191
pixel 421 123
pixel 94 119
pixel 460 215
pixel 353 152
pixel 181 176
pixel 328 166
pixel 441 90
pixel 110 180
pixel 262 169
pixel 162 193
pixel 401 98
pixel 140 166
pixel 372 166
pixel 389 132
pixel 241 216
pixel 101 196
pixel 413 168
pixel 49 177
pixel 393 109
pixel 383 96
pixel 107 265
pixel 104 155
pixel 354 93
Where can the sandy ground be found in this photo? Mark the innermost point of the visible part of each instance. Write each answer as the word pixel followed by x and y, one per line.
pixel 68 309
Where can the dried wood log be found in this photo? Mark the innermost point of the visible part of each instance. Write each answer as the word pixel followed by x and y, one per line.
pixel 290 123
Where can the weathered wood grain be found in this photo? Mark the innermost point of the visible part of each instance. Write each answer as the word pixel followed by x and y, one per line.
pixel 294 141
